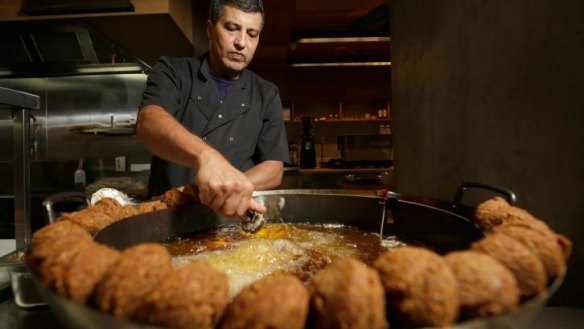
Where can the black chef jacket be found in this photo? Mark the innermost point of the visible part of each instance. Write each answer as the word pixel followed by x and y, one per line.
pixel 247 127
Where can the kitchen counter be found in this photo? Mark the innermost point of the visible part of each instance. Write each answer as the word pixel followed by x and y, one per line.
pixel 12 316
pixel 337 178
pixel 325 170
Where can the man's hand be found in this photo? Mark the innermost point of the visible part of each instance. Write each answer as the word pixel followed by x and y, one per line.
pixel 223 188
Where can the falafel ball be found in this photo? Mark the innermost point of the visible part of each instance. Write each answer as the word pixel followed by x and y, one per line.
pixel 175 197
pixel 144 207
pixel 41 244
pixel 139 269
pixel 95 218
pixel 347 294
pixel 86 269
pixel 547 249
pixel 192 296
pixel 58 255
pixel 525 266
pixel 278 301
pixel 564 244
pixel 485 286
pixel 421 288
pixel 497 211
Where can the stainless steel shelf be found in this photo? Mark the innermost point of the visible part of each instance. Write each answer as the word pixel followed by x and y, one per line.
pixel 19 99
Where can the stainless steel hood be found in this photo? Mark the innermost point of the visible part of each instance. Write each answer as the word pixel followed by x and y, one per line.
pixel 58 7
pixel 70 47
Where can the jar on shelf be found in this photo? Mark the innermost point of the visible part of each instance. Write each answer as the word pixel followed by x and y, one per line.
pixel 293 149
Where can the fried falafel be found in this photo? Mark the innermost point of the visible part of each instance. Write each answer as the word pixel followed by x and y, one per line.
pixel 540 244
pixel 192 296
pixel 96 217
pixel 421 288
pixel 43 240
pixel 498 211
pixel 86 269
pixel 278 301
pixel 525 266
pixel 139 269
pixel 485 286
pixel 347 294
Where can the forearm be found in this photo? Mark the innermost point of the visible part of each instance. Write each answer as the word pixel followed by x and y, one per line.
pixel 168 139
pixel 221 186
pixel 266 175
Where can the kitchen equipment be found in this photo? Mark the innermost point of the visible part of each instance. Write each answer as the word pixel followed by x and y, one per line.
pixel 442 230
pixel 23 288
pixel 16 273
pixel 307 148
pixel 365 147
pixel 439 225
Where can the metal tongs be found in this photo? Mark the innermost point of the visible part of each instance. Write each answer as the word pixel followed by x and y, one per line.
pixel 252 222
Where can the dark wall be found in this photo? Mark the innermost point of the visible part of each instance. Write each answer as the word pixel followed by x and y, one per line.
pixel 492 91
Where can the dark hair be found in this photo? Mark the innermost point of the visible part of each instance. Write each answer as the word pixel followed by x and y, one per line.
pixel 248 6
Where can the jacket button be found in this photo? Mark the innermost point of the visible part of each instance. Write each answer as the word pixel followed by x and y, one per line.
pixel 231 139
pixel 242 104
pixel 199 97
pixel 220 116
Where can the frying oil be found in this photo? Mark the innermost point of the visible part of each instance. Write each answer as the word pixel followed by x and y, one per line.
pixel 299 249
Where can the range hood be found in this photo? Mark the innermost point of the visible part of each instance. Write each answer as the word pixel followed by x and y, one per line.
pixel 60 48
pixel 60 7
pixel 56 37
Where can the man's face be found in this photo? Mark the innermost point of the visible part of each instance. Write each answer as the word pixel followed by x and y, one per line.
pixel 233 41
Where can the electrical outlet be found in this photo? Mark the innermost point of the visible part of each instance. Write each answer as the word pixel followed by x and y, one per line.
pixel 120 163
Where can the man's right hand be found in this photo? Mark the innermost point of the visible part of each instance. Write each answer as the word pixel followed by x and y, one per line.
pixel 223 188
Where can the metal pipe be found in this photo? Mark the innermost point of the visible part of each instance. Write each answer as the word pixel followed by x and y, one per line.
pixel 22 204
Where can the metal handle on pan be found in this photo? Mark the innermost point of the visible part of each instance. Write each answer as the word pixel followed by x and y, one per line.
pixel 510 195
pixel 50 201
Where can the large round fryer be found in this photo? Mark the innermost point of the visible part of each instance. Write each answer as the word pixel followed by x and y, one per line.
pixel 439 229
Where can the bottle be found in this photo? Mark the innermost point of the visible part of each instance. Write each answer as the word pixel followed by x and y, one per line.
pixel 307 149
pixel 308 153
pixel 79 176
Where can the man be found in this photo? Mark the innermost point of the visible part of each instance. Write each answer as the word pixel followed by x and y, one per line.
pixel 214 122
